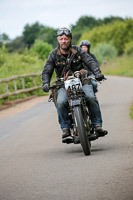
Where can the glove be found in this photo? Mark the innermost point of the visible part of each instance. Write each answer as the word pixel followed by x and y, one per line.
pixel 83 72
pixel 99 77
pixel 45 87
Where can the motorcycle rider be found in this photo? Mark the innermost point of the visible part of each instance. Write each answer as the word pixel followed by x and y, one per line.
pixel 64 59
pixel 85 45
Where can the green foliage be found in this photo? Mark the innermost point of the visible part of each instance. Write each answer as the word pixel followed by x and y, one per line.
pixel 17 44
pixel 41 49
pixel 31 32
pixel 87 23
pixel 119 33
pixel 129 48
pixel 111 19
pixel 3 53
pixel 39 32
pixel 16 64
pixel 122 66
pixel 4 38
pixel 2 59
pixel 131 111
pixel 104 52
pixel 48 35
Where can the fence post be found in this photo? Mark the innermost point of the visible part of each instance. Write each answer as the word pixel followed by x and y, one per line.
pixel 23 85
pixel 15 85
pixel 6 87
pixel 33 80
pixel 16 90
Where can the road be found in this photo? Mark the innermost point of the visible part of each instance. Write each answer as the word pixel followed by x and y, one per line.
pixel 35 165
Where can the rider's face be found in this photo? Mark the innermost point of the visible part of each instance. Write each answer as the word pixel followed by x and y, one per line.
pixel 64 42
pixel 85 48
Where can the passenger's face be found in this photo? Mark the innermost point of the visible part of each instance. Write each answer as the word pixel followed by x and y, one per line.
pixel 85 48
pixel 64 42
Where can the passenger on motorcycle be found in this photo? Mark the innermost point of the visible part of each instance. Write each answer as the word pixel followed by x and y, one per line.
pixel 64 59
pixel 85 45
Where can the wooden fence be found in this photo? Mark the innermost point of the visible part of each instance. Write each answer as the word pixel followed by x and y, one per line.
pixel 16 90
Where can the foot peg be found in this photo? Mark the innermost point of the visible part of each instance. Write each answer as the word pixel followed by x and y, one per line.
pixel 102 133
pixel 69 140
pixel 93 137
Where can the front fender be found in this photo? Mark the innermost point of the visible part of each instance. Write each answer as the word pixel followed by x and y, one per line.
pixel 75 102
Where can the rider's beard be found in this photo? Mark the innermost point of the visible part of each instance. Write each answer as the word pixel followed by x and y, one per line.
pixel 65 48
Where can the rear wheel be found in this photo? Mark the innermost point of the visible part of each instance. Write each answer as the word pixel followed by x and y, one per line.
pixel 82 132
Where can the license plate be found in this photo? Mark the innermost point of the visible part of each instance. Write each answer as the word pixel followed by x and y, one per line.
pixel 73 84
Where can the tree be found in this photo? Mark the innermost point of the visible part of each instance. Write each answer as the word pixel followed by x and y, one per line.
pixel 48 35
pixel 4 38
pixel 118 33
pixel 87 23
pixel 111 19
pixel 17 44
pixel 84 23
pixel 31 32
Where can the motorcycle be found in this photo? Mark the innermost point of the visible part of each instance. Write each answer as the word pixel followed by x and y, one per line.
pixel 81 129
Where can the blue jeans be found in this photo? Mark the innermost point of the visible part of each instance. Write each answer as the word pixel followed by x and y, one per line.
pixel 94 84
pixel 92 103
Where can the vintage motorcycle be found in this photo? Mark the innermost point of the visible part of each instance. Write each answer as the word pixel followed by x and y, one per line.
pixel 81 129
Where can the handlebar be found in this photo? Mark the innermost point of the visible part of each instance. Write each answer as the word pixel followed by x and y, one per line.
pixel 60 81
pixel 93 78
pixel 56 85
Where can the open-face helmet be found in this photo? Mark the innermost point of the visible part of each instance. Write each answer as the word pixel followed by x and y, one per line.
pixel 63 31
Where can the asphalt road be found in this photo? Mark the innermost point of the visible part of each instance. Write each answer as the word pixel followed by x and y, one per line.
pixel 35 165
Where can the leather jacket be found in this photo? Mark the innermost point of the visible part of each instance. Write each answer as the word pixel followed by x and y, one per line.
pixel 77 61
pixel 96 62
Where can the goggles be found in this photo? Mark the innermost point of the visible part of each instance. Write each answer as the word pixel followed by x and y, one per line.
pixel 65 31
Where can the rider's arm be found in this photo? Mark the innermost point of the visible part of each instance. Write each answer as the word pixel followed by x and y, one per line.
pixel 89 62
pixel 48 69
pixel 94 57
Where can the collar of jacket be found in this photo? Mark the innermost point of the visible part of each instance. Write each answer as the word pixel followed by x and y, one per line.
pixel 74 51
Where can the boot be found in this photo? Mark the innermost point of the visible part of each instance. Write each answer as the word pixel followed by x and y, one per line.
pixel 66 133
pixel 99 130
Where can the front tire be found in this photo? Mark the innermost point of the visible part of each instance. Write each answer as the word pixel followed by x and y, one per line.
pixel 82 132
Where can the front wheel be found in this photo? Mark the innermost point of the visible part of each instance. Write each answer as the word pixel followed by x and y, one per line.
pixel 82 132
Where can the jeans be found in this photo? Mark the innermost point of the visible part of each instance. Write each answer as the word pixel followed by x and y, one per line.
pixel 92 103
pixel 94 84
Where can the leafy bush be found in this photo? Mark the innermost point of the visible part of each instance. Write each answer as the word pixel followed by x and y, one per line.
pixel 129 48
pixel 41 49
pixel 17 64
pixel 2 59
pixel 105 52
pixel 3 53
pixel 119 33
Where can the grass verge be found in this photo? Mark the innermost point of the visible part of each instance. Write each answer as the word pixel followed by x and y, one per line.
pixel 122 66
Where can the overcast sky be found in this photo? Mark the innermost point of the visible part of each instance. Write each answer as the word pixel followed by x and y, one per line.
pixel 15 14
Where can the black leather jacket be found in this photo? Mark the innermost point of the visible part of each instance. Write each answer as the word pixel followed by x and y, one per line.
pixel 96 62
pixel 56 61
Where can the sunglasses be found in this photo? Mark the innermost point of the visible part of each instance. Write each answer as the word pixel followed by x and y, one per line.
pixel 64 31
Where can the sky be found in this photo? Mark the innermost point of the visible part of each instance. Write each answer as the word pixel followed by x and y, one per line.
pixel 15 14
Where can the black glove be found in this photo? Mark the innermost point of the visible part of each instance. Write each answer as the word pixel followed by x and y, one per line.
pixel 45 87
pixel 99 77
